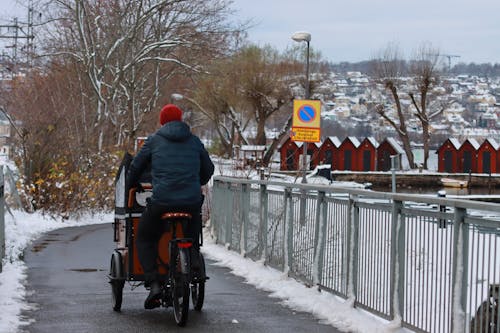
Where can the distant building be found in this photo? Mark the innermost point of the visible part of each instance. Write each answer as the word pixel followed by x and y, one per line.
pixel 487 156
pixel 387 148
pixel 367 154
pixel 467 156
pixel 448 156
pixel 289 155
pixel 347 154
pixel 5 134
pixel 329 151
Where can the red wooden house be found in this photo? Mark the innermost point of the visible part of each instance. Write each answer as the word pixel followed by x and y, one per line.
pixel 487 156
pixel 448 156
pixel 367 154
pixel 329 152
pixel 467 156
pixel 290 152
pixel 347 154
pixel 385 150
pixel 313 149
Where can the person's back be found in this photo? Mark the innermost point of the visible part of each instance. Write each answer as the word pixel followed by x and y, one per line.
pixel 180 165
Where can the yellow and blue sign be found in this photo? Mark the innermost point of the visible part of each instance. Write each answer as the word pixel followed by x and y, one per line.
pixel 306 125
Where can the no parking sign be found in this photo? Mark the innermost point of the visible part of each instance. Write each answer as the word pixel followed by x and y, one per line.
pixel 306 125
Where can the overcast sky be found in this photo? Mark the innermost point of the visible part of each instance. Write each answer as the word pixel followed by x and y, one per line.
pixel 355 30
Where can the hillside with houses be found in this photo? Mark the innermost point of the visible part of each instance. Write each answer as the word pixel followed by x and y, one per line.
pixel 472 108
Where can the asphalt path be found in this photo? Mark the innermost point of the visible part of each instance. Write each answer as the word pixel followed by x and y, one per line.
pixel 68 285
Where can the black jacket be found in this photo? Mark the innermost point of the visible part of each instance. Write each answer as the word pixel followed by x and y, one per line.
pixel 179 165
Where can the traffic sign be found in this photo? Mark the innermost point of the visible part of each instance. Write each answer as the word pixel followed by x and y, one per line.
pixel 306 113
pixel 306 125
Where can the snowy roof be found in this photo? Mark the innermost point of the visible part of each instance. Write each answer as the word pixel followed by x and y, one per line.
pixel 3 117
pixel 354 141
pixel 395 145
pixel 335 140
pixel 492 142
pixel 473 142
pixel 252 148
pixel 372 141
pixel 455 143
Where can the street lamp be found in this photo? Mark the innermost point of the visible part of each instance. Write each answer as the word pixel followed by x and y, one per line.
pixel 302 36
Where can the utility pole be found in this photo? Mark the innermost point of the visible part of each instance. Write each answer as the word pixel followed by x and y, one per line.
pixel 449 56
pixel 17 31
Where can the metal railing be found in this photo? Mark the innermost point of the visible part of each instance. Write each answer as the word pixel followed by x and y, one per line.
pixel 425 262
pixel 2 219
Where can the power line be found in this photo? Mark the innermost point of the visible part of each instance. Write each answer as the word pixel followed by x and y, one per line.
pixel 449 56
pixel 16 32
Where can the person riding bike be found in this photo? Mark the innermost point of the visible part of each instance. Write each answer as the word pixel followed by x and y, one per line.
pixel 180 165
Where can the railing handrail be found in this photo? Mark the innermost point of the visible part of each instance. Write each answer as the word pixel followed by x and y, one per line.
pixel 358 243
pixel 443 201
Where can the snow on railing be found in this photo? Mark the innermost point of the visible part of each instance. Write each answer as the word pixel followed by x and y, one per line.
pixel 422 262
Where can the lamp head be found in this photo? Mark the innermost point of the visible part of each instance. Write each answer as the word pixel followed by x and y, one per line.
pixel 301 36
pixel 176 97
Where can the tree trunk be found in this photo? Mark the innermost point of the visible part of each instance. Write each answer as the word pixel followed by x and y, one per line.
pixel 426 138
pixel 260 138
pixel 274 145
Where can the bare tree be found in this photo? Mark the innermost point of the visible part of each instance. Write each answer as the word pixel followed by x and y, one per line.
pixel 415 79
pixel 129 48
pixel 427 105
pixel 247 89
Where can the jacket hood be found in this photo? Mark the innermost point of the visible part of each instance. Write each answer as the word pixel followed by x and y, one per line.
pixel 175 131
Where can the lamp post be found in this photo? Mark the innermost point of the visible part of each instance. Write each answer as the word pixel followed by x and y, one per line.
pixel 302 36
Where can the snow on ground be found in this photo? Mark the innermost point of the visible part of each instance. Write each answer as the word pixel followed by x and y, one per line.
pixel 23 228
pixel 20 230
pixel 328 308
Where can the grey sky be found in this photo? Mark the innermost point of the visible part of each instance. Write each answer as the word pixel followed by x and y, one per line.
pixel 354 30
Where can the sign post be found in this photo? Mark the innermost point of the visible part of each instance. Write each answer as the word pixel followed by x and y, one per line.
pixel 306 126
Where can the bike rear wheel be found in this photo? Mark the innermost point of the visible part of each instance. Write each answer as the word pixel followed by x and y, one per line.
pixel 180 290
pixel 198 287
pixel 116 284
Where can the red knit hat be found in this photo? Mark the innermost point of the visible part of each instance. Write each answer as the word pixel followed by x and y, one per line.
pixel 170 112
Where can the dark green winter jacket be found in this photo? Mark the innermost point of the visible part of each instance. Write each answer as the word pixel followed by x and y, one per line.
pixel 179 163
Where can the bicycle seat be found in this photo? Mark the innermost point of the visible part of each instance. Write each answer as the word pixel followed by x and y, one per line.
pixel 176 215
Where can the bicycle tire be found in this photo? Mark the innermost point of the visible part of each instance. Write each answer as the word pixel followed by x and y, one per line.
pixel 116 285
pixel 180 289
pixel 198 288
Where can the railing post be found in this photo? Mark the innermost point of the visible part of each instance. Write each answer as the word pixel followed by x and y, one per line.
pixel 228 199
pixel 352 229
pixel 397 262
pixel 288 241
pixel 2 218
pixel 319 238
pixel 244 209
pixel 263 209
pixel 214 216
pixel 460 266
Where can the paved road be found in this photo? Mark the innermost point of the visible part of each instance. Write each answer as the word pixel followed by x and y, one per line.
pixel 67 274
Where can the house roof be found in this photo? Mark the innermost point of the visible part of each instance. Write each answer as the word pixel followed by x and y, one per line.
pixel 353 140
pixel 372 141
pixel 473 142
pixel 335 140
pixel 252 148
pixel 394 144
pixel 455 143
pixel 492 142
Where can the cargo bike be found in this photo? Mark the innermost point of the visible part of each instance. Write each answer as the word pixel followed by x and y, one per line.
pixel 178 280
